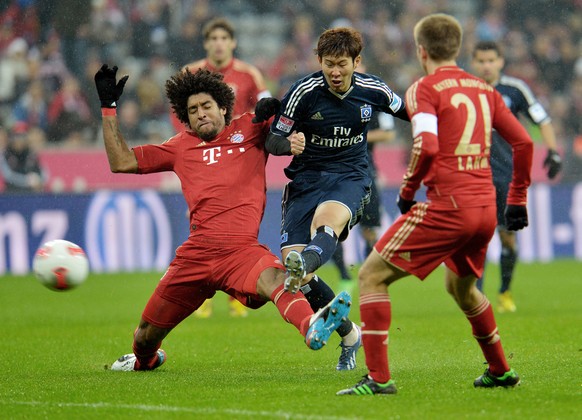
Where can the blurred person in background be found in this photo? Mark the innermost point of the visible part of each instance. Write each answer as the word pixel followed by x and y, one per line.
pixel 221 164
pixel 19 163
pixel 14 74
pixel 32 107
pixel 69 115
pixel 488 63
pixel 246 80
pixel 248 85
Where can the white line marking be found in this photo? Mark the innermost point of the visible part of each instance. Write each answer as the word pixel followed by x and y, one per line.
pixel 166 408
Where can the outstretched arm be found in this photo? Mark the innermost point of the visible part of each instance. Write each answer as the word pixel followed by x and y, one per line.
pixel 121 158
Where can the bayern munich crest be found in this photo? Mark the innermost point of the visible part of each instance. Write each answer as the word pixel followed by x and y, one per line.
pixel 237 138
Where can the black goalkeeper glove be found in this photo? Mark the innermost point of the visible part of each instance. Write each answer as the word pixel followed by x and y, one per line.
pixel 553 162
pixel 404 205
pixel 515 217
pixel 266 108
pixel 109 91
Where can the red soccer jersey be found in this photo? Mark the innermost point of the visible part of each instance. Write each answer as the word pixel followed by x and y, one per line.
pixel 244 79
pixel 223 181
pixel 452 114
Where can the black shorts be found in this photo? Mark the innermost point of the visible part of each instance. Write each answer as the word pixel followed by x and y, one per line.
pixel 310 189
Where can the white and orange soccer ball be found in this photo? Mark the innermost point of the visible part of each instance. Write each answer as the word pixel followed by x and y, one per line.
pixel 60 265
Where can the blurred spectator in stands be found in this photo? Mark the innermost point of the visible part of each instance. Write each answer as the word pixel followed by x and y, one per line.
pixel 70 119
pixel 110 31
pixel 150 23
pixel 21 19
pixel 554 54
pixel 14 74
pixel 71 22
pixel 131 121
pixel 32 107
pixel 491 26
pixel 187 43
pixel 20 165
pixel 150 96
pixel 52 69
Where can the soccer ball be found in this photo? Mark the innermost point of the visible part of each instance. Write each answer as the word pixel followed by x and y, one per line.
pixel 60 265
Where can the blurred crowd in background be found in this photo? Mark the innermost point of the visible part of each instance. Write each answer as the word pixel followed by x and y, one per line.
pixel 51 49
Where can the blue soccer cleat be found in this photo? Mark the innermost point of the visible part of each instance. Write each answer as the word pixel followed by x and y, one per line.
pixel 325 321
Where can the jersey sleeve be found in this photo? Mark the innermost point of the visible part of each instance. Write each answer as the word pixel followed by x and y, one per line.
pixel 530 105
pixel 423 115
pixel 156 157
pixel 392 103
pixel 291 105
pixel 508 126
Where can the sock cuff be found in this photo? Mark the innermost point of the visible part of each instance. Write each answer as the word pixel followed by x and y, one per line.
pixel 479 309
pixel 369 298
pixel 325 229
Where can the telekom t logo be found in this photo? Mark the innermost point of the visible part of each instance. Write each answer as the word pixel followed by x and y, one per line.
pixel 211 155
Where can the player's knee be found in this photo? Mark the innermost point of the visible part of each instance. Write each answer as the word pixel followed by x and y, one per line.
pixel 269 280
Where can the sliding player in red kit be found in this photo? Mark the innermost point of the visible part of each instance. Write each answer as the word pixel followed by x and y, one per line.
pixel 453 115
pixel 221 165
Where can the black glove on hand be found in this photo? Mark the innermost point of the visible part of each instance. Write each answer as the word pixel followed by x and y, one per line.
pixel 404 205
pixel 109 91
pixel 553 162
pixel 515 217
pixel 266 108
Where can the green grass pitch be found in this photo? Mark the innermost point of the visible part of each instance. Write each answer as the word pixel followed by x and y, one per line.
pixel 55 346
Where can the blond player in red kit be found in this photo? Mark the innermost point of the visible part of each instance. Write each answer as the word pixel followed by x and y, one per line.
pixel 453 114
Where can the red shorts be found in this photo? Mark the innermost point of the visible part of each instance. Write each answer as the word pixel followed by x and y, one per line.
pixel 428 235
pixel 201 268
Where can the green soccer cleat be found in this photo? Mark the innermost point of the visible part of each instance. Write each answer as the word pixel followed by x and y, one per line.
pixel 487 380
pixel 368 386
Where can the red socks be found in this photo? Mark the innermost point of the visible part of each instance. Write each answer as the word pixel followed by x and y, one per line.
pixel 376 316
pixel 294 308
pixel 146 357
pixel 485 332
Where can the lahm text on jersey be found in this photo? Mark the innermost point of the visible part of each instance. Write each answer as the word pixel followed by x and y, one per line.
pixel 472 163
pixel 338 141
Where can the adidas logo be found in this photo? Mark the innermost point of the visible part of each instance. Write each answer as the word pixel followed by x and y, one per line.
pixel 405 256
pixel 317 116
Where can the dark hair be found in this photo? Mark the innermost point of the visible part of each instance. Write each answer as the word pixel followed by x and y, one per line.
pixel 218 23
pixel 337 42
pixel 184 84
pixel 487 46
pixel 440 35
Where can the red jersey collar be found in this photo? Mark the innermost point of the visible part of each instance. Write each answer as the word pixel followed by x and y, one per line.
pixel 221 70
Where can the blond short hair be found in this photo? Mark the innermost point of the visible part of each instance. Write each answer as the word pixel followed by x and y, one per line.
pixel 441 36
